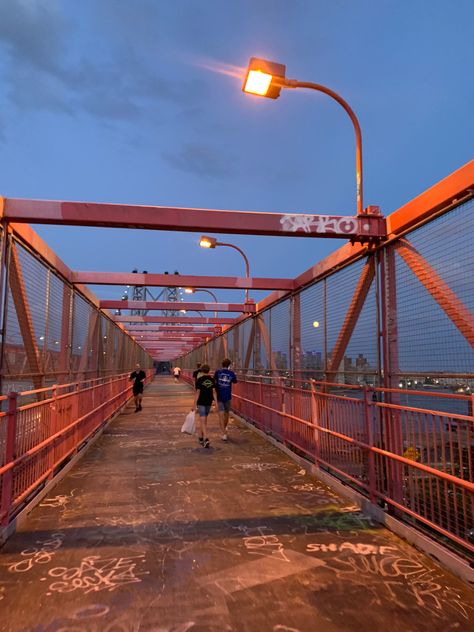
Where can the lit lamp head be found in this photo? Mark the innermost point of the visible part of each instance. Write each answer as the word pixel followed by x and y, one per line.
pixel 207 242
pixel 264 78
pixel 189 290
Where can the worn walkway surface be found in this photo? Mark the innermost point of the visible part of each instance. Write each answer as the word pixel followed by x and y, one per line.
pixel 151 532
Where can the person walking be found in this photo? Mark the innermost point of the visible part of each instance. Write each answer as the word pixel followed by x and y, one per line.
pixel 177 373
pixel 139 378
pixel 224 379
pixel 205 386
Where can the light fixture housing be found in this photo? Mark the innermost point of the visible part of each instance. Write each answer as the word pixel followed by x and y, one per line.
pixel 264 78
pixel 207 242
pixel 189 290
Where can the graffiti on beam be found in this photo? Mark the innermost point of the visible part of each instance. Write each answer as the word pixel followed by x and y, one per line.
pixel 319 224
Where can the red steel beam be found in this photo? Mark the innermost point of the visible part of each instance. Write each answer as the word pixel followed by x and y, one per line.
pixel 369 225
pixel 179 280
pixel 449 302
pixel 198 320
pixel 25 321
pixel 180 328
pixel 172 305
pixel 352 315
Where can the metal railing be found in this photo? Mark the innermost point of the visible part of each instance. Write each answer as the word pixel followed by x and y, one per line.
pixel 416 462
pixel 42 429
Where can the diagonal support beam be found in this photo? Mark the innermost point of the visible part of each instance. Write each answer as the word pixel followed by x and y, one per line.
pixel 352 315
pixel 449 302
pixel 23 312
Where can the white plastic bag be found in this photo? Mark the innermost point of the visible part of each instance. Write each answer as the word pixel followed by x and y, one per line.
pixel 189 426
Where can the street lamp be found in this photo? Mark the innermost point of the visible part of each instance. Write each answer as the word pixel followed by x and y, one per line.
pixel 266 79
pixel 211 242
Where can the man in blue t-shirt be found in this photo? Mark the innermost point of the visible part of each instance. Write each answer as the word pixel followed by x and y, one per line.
pixel 224 378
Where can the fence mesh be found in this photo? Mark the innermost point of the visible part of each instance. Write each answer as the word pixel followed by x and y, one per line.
pixel 54 335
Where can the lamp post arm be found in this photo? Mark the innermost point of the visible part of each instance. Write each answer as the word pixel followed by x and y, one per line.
pixel 294 83
pixel 247 267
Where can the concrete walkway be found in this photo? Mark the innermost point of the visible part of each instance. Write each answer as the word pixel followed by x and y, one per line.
pixel 151 532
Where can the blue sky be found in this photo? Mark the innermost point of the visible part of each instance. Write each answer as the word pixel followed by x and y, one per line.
pixel 112 100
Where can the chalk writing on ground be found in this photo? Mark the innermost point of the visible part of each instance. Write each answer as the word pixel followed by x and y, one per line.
pixel 95 573
pixel 43 553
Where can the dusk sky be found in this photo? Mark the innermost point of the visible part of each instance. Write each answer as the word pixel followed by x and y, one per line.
pixel 116 101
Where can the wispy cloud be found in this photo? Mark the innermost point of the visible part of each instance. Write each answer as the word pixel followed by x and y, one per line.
pixel 199 159
pixel 41 72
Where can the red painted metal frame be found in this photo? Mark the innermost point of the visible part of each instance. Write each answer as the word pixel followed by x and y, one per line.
pixel 178 280
pixel 185 320
pixel 194 220
pixel 453 307
pixel 23 313
pixel 42 436
pixel 348 444
pixel 169 305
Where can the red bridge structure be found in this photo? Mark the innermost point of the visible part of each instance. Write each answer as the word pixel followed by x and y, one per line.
pixel 361 369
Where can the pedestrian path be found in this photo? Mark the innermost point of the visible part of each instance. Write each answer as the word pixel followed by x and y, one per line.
pixel 151 532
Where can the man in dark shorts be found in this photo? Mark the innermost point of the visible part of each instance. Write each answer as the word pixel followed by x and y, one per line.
pixel 205 386
pixel 224 379
pixel 139 376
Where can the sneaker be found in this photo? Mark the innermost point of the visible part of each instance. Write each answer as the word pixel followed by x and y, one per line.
pixel 137 409
pixel 206 443
pixel 224 437
pixel 201 440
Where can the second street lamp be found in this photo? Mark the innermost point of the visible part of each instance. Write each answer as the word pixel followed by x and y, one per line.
pixel 266 79
pixel 193 290
pixel 211 242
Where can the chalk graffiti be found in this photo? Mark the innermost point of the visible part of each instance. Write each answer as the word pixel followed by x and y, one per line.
pixel 257 542
pixel 398 573
pixel 41 554
pixel 359 548
pixel 58 501
pixel 95 574
pixel 319 224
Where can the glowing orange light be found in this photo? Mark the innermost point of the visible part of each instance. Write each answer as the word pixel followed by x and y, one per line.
pixel 207 242
pixel 189 290
pixel 257 82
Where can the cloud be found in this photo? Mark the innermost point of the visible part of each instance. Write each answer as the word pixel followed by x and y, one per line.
pixel 200 160
pixel 112 82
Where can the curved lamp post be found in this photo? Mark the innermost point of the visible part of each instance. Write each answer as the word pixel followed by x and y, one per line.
pixel 211 242
pixel 193 290
pixel 266 79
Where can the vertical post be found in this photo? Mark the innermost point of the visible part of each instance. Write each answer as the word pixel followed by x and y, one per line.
pixel 66 329
pixel 296 333
pixel 315 420
pixel 53 429
pixel 370 442
pixel 4 265
pixel 392 428
pixel 10 454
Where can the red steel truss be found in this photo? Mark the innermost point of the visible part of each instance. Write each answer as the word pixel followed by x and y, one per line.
pixel 370 225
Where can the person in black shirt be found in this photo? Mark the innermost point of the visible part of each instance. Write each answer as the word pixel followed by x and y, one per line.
pixel 139 376
pixel 205 386
pixel 197 373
